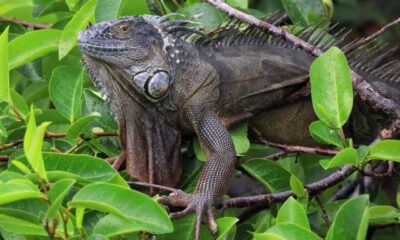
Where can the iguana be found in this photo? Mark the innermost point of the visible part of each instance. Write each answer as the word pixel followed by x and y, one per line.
pixel 165 79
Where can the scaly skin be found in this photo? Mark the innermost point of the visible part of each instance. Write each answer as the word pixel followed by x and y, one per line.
pixel 160 86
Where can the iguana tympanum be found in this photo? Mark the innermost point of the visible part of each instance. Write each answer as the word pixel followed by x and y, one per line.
pixel 164 79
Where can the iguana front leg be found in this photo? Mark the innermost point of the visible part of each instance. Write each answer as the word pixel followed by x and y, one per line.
pixel 216 175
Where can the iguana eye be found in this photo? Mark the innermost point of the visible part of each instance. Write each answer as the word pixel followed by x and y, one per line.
pixel 122 30
pixel 158 85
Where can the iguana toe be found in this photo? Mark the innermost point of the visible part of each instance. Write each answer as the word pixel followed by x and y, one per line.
pixel 197 203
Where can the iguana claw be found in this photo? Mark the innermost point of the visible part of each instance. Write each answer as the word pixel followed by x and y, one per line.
pixel 192 203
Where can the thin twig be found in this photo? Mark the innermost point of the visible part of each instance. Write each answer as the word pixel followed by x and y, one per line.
pixel 324 213
pixel 26 23
pixel 291 148
pixel 4 158
pixel 16 113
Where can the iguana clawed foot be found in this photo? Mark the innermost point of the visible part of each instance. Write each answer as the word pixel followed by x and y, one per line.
pixel 197 203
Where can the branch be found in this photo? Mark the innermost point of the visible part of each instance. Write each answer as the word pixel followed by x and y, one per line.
pixel 26 23
pixel 364 89
pixel 324 213
pixel 313 189
pixel 290 148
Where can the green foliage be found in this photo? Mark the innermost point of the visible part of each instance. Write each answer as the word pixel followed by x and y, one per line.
pixel 4 78
pixel 347 156
pixel 351 221
pixel 386 150
pixel 332 104
pixel 305 12
pixel 65 90
pixel 58 182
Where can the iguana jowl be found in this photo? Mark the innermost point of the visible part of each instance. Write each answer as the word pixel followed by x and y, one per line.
pixel 161 85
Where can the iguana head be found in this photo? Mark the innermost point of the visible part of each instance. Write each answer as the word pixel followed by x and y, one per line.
pixel 134 46
pixel 128 59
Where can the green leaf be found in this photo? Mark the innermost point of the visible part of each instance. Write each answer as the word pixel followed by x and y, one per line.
pixel 113 225
pixel 225 225
pixel 238 3
pixel 72 4
pixel 71 30
pixel 325 134
pixel 183 229
pixel 87 167
pixel 398 199
pixel 33 141
pixel 31 46
pixel 137 7
pixel 57 194
pixel 19 103
pixel 4 74
pixel 351 221
pixel 65 89
pixel 305 12
pixel 240 139
pixel 125 203
pixel 287 231
pixel 386 150
pixel 207 15
pixel 8 176
pixel 347 156
pixel 292 212
pixel 363 152
pixel 383 215
pixel 107 10
pixel 297 186
pixel 17 189
pixel 3 131
pixel 15 225
pixel 274 177
pixel 47 7
pixel 268 236
pixel 331 88
pixel 79 126
pixel 22 167
pixel 94 103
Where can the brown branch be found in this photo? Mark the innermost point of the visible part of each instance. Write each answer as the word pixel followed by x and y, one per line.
pixel 26 23
pixel 324 213
pixel 388 172
pixel 4 158
pixel 313 189
pixel 290 148
pixel 347 189
pixel 364 89
pixel 48 135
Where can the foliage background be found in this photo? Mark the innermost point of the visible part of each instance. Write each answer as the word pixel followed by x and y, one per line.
pixel 46 185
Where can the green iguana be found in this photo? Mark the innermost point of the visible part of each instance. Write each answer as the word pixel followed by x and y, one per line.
pixel 165 79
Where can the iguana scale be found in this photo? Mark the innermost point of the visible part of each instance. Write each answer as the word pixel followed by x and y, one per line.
pixel 165 79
